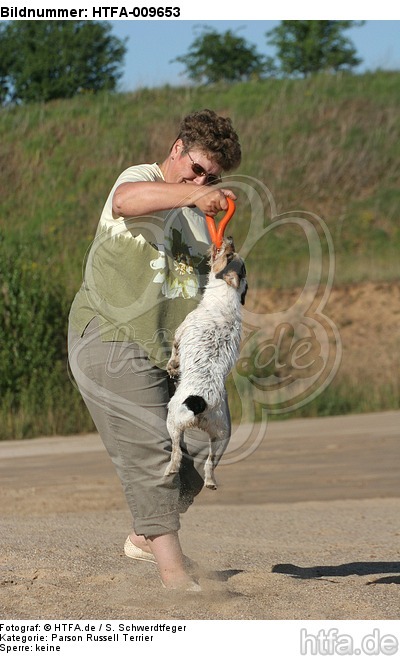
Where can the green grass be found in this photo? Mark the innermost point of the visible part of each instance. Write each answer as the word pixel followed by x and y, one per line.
pixel 327 146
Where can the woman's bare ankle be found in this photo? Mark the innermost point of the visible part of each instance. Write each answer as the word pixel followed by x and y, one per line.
pixel 171 563
pixel 183 584
pixel 139 541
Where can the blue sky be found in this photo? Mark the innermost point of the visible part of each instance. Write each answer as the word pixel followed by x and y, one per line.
pixel 153 44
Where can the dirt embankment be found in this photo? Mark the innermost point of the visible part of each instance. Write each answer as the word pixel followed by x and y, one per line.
pixel 367 316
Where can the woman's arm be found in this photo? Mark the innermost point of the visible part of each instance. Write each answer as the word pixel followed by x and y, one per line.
pixel 140 198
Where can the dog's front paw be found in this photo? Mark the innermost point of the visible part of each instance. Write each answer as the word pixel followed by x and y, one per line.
pixel 172 468
pixel 173 368
pixel 209 481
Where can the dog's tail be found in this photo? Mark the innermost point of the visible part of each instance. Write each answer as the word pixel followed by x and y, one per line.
pixel 182 414
pixel 196 404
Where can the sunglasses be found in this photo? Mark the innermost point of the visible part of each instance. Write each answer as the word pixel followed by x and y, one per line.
pixel 199 171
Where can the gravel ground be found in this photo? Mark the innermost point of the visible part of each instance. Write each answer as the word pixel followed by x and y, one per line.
pixel 304 528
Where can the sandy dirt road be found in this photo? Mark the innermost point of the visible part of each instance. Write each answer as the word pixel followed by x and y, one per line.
pixel 305 527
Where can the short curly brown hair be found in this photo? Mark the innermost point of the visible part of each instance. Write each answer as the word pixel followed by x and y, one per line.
pixel 213 135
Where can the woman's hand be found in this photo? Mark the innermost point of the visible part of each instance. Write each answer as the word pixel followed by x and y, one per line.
pixel 212 201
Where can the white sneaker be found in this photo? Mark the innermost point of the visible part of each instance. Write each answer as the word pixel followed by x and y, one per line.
pixel 132 551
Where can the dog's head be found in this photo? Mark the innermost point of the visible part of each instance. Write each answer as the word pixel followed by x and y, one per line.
pixel 227 265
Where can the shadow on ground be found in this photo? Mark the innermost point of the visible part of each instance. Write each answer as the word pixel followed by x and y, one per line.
pixel 223 575
pixel 346 569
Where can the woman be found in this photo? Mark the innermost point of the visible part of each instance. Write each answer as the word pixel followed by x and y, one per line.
pixel 144 274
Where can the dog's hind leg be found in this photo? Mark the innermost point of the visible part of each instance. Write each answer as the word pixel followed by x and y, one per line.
pixel 175 433
pixel 218 430
pixel 209 478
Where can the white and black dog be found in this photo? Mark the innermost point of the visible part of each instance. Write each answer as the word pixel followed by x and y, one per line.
pixel 205 349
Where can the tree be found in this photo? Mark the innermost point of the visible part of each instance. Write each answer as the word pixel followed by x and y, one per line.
pixel 44 60
pixel 307 47
pixel 5 62
pixel 215 57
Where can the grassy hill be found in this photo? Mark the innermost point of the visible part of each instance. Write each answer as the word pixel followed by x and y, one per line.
pixel 327 146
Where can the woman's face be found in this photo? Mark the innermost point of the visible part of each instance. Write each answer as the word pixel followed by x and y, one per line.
pixel 193 166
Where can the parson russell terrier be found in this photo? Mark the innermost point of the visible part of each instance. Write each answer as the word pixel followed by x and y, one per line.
pixel 205 349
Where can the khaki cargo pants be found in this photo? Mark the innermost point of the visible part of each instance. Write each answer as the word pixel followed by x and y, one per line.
pixel 127 398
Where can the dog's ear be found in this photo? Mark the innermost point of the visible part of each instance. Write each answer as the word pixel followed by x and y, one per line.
pixel 244 292
pixel 231 278
pixel 234 272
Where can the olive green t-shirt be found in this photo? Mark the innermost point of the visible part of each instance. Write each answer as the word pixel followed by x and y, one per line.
pixel 143 275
